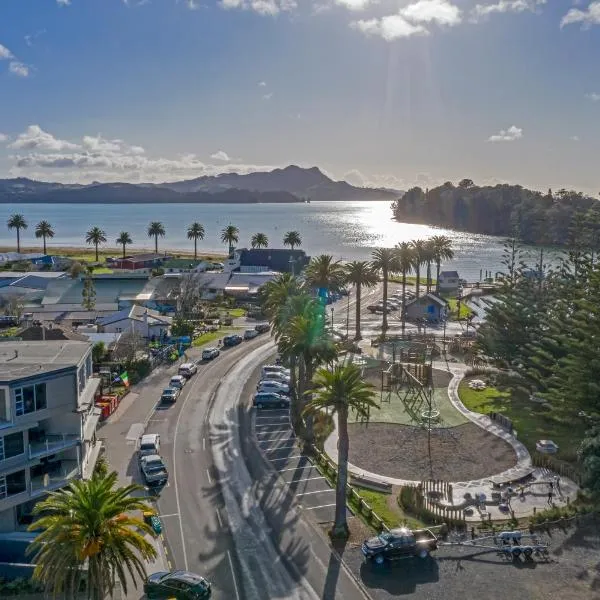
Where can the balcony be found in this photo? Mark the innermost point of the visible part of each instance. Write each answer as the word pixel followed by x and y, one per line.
pixel 57 475
pixel 50 444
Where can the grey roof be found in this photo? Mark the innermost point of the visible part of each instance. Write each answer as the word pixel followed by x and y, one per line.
pixel 213 280
pixel 109 290
pixel 107 338
pixel 431 297
pixel 449 274
pixel 25 359
pixel 136 313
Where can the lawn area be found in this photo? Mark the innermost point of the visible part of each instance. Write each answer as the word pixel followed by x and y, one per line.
pixel 102 271
pixel 236 313
pixel 9 331
pixel 386 507
pixel 531 420
pixel 412 280
pixel 465 311
pixel 212 336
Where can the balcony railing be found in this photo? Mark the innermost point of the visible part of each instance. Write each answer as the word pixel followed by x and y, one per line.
pixel 56 478
pixel 51 444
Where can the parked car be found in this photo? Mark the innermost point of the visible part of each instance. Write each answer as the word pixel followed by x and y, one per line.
pixel 149 444
pixel 270 400
pixel 170 394
pixel 275 369
pixel 263 327
pixel 399 543
pixel 188 369
pixel 375 308
pixel 177 381
pixel 210 353
pixel 154 470
pixel 273 386
pixel 280 377
pixel 182 585
pixel 232 340
pixel 250 333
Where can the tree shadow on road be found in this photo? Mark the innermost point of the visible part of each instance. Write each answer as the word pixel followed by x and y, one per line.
pixel 400 579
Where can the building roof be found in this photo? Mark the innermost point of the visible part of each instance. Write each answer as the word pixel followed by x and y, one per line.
pixel 431 297
pixel 143 257
pixel 19 360
pixel 278 259
pixel 249 282
pixel 449 274
pixel 107 338
pixel 181 263
pixel 109 290
pixel 216 280
pixel 136 313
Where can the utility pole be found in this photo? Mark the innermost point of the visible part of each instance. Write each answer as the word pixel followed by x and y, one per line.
pixel 348 314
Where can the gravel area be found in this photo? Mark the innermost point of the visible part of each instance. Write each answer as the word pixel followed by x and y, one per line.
pixel 572 572
pixel 458 453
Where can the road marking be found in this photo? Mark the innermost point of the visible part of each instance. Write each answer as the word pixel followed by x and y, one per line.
pixel 277 437
pixel 315 507
pixel 157 420
pixel 203 443
pixel 209 477
pixel 296 467
pixel 288 457
pixel 235 587
pixel 282 417
pixel 219 518
pixel 171 515
pixel 280 448
pixel 317 492
pixel 135 432
pixel 303 479
pixel 272 431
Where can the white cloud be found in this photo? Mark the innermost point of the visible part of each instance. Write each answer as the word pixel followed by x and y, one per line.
pixel 574 138
pixel 221 155
pixel 18 68
pixel 268 96
pixel 35 138
pixel 507 135
pixel 429 11
pixel 5 53
pixel 593 96
pixel 3 137
pixel 588 17
pixel 63 2
pixel 389 28
pixel 262 7
pixel 193 4
pixel 354 4
pixel 506 6
pixel 262 84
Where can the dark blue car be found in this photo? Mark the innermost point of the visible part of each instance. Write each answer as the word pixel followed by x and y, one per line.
pixel 270 400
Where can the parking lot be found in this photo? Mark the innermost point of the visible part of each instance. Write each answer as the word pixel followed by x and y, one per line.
pixel 276 439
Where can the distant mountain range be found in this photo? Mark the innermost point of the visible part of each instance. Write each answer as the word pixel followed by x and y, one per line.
pixel 290 184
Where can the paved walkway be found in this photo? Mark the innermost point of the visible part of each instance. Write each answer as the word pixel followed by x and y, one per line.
pixel 535 496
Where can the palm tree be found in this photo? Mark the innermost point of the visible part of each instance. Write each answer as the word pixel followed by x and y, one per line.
pixel 418 247
pixel 384 261
pixel 44 230
pixel 360 274
pixel 90 521
pixel 259 240
pixel 292 239
pixel 195 232
pixel 342 390
pixel 276 293
pixel 442 250
pixel 17 222
pixel 428 258
pixel 124 239
pixel 230 235
pixel 325 273
pixel 95 236
pixel 156 229
pixel 404 256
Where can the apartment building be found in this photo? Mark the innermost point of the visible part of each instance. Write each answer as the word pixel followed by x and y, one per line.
pixel 47 423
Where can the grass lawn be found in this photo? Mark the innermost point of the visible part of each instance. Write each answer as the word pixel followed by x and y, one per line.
pixel 211 336
pixel 412 280
pixel 531 420
pixel 236 313
pixel 102 271
pixel 9 331
pixel 386 507
pixel 465 311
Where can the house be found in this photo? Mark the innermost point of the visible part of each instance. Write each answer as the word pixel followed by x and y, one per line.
pixel 137 319
pixel 139 261
pixel 245 286
pixel 185 265
pixel 448 281
pixel 267 259
pixel 47 423
pixel 212 284
pixel 38 260
pixel 26 286
pixel 429 307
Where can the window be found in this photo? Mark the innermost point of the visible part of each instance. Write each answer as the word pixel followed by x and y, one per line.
pixel 12 484
pixel 30 398
pixel 11 445
pixel 4 405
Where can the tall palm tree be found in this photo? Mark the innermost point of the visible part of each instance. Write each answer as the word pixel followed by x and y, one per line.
pixel 17 222
pixel 156 229
pixel 276 293
pixel 428 258
pixel 442 250
pixel 360 274
pixel 124 239
pixel 384 261
pixel 95 236
pixel 90 521
pixel 230 235
pixel 342 390
pixel 404 256
pixel 259 240
pixel 44 230
pixel 325 273
pixel 292 239
pixel 418 247
pixel 195 232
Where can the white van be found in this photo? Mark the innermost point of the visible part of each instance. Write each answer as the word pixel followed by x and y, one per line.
pixel 149 444
pixel 188 369
pixel 177 381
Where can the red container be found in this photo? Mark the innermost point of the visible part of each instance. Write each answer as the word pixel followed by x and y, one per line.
pixel 106 411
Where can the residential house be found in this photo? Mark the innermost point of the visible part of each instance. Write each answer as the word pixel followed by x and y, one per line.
pixel 245 286
pixel 429 307
pixel 26 286
pixel 267 259
pixel 138 261
pixel 212 284
pixel 448 281
pixel 47 423
pixel 144 321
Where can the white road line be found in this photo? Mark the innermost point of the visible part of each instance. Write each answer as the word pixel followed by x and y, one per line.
pixel 203 443
pixel 219 518
pixel 277 437
pixel 273 431
pixel 209 477
pixel 270 422
pixel 315 507
pixel 317 492
pixel 171 515
pixel 280 448
pixel 310 465
pixel 235 587
pixel 287 457
pixel 304 479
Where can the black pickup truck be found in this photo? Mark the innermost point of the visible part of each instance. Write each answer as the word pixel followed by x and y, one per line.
pixel 398 544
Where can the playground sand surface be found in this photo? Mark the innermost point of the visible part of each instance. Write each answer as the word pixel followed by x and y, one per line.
pixel 459 453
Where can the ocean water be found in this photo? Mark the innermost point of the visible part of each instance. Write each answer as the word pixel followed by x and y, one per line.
pixel 347 230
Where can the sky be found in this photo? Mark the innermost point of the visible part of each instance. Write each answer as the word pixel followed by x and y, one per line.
pixel 389 93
